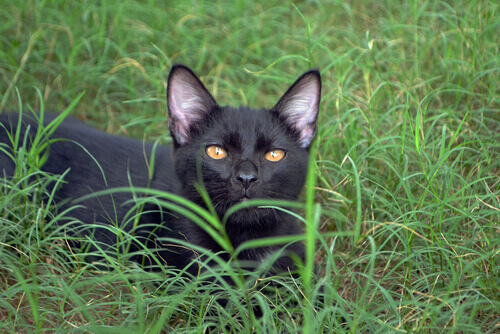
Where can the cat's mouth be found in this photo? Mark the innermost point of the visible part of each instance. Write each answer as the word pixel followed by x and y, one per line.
pixel 247 195
pixel 244 195
pixel 243 198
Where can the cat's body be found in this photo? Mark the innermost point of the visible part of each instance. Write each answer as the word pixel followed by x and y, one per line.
pixel 234 153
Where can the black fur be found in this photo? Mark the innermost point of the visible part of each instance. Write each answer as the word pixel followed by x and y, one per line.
pixel 195 122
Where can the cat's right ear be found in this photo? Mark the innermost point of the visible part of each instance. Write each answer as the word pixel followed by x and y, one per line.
pixel 188 102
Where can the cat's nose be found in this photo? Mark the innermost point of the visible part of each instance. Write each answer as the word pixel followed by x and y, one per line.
pixel 246 180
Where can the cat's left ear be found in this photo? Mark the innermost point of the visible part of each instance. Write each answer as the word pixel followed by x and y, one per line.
pixel 299 106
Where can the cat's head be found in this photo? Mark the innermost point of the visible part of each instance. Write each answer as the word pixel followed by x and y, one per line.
pixel 241 153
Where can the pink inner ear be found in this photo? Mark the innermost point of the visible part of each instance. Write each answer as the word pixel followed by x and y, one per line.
pixel 177 121
pixel 188 102
pixel 306 136
pixel 175 105
pixel 301 108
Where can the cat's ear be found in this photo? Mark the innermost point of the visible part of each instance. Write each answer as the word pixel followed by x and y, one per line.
pixel 188 102
pixel 299 106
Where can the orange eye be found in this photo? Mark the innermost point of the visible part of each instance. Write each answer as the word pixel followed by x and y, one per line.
pixel 216 152
pixel 275 155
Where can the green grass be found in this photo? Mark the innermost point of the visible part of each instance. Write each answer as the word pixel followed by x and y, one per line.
pixel 405 188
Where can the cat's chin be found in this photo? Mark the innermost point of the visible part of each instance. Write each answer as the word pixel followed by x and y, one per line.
pixel 251 216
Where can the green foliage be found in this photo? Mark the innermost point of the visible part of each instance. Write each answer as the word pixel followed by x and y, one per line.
pixel 404 189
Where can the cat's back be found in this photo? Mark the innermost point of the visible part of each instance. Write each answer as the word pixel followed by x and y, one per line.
pixel 92 160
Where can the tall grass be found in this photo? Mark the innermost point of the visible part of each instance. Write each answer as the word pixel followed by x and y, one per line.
pixel 402 204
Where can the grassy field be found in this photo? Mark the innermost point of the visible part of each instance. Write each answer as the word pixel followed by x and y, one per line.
pixel 404 191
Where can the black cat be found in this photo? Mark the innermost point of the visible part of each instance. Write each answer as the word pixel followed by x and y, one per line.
pixel 235 154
